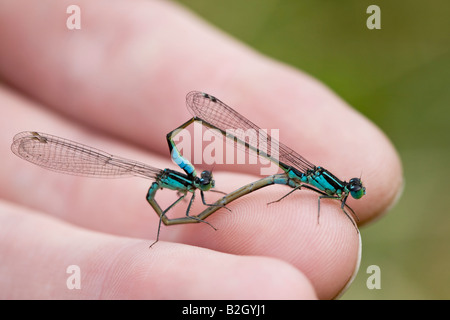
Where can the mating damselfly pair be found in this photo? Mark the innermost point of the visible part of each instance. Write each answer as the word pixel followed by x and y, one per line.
pixel 66 156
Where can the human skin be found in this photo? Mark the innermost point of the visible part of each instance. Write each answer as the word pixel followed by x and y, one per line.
pixel 118 84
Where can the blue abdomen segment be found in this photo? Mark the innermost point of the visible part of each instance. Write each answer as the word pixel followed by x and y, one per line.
pixel 182 162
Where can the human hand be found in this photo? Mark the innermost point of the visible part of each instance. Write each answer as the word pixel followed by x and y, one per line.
pixel 119 84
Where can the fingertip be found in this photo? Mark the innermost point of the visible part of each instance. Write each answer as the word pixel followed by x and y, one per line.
pixel 198 273
pixel 326 252
pixel 58 260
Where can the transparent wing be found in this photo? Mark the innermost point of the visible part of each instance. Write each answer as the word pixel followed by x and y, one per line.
pixel 62 155
pixel 216 113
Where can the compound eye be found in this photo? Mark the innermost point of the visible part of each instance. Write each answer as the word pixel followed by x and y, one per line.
pixel 357 190
pixel 359 193
pixel 205 177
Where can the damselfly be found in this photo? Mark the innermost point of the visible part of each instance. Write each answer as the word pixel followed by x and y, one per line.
pixel 62 155
pixel 299 172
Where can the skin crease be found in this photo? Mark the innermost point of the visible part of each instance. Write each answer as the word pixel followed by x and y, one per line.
pixel 102 86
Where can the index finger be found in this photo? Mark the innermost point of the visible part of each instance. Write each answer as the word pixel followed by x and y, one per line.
pixel 128 67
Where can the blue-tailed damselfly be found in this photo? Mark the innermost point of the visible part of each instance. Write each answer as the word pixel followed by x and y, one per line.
pixel 63 155
pixel 299 172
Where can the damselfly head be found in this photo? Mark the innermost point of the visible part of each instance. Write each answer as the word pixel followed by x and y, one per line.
pixel 206 181
pixel 356 188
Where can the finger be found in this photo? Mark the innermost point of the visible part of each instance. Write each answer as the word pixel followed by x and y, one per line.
pixel 287 75
pixel 110 79
pixel 47 259
pixel 118 206
pixel 110 205
pixel 326 250
pixel 129 71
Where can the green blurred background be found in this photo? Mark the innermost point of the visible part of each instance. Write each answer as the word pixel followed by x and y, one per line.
pixel 399 78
